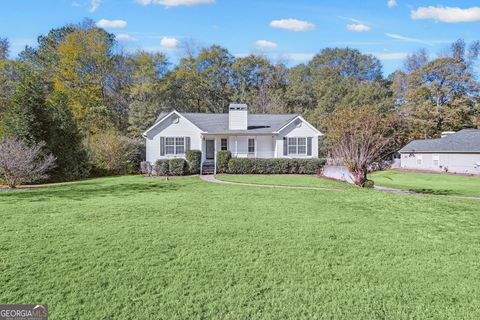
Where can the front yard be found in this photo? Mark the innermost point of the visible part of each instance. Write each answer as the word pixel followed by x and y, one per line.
pixel 441 184
pixel 136 248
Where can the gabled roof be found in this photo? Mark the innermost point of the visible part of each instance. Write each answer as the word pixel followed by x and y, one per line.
pixel 466 140
pixel 217 123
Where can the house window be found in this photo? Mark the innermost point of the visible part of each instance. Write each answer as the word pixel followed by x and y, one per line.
pixel 419 160
pixel 174 145
pixel 223 144
pixel 297 145
pixel 436 161
pixel 251 145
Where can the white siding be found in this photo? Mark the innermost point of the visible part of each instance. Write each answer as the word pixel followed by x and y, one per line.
pixel 295 130
pixel 168 128
pixel 237 119
pixel 454 162
pixel 264 146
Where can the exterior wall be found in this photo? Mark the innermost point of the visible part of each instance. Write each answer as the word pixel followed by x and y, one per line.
pixel 168 128
pixel 238 146
pixel 454 162
pixel 266 146
pixel 295 130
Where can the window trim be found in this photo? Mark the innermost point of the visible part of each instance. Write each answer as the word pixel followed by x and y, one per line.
pixel 254 146
pixel 221 144
pixel 437 159
pixel 419 160
pixel 297 146
pixel 175 145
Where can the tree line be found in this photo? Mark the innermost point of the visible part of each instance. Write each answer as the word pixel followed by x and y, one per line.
pixel 88 102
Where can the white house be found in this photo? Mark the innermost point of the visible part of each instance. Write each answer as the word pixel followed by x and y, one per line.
pixel 457 152
pixel 244 134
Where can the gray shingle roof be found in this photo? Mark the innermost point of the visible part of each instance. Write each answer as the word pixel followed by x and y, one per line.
pixel 218 122
pixel 466 140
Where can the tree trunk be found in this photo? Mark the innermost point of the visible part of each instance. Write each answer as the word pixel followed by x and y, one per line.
pixel 359 177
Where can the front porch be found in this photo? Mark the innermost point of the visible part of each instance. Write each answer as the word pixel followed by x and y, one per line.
pixel 240 146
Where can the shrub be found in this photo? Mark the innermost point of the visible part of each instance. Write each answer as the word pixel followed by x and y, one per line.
pixel 240 166
pixel 368 184
pixel 162 167
pixel 20 163
pixel 146 168
pixel 310 166
pixel 194 159
pixel 223 157
pixel 112 153
pixel 177 167
pixel 275 166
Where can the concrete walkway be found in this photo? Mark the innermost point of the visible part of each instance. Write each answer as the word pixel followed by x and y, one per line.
pixel 211 178
pixel 393 190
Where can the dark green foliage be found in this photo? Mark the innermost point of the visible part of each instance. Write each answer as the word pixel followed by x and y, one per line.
pixel 275 166
pixel 35 118
pixel 369 184
pixel 162 167
pixel 223 157
pixel 177 167
pixel 194 160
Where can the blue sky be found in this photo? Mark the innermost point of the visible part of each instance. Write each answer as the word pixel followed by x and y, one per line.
pixel 291 31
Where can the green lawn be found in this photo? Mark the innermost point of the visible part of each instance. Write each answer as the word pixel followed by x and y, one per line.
pixel 442 184
pixel 136 248
pixel 285 180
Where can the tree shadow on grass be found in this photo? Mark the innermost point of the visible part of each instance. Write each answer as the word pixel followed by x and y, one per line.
pixel 86 191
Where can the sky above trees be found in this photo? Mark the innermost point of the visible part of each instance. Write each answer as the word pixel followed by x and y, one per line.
pixel 288 31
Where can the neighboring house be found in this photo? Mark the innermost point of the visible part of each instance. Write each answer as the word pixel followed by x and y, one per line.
pixel 244 134
pixel 455 152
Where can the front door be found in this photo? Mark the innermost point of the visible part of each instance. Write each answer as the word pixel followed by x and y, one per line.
pixel 210 147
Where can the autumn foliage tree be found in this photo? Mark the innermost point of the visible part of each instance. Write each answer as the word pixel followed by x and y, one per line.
pixel 360 137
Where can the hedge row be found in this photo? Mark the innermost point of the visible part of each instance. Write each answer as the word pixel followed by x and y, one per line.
pixel 275 166
pixel 174 167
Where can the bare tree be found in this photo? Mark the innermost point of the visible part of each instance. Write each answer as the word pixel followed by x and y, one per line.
pixel 359 138
pixel 20 163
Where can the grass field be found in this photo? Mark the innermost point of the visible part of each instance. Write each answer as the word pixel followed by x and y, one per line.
pixel 285 180
pixel 441 184
pixel 136 248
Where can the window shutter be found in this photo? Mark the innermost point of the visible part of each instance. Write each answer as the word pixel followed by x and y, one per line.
pixel 285 146
pixel 162 146
pixel 309 146
pixel 187 143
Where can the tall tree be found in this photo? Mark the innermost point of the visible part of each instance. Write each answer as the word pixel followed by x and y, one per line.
pixel 145 98
pixel 34 117
pixel 83 68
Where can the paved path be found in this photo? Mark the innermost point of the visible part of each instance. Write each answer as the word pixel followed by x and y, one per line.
pixel 211 178
pixel 393 190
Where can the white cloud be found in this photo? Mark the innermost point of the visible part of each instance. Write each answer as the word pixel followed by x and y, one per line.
pixel 265 44
pixel 169 43
pixel 358 27
pixel 175 3
pixel 392 3
pixel 390 55
pixel 104 23
pixel 297 57
pixel 94 4
pixel 124 37
pixel 292 24
pixel 407 39
pixel 447 14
